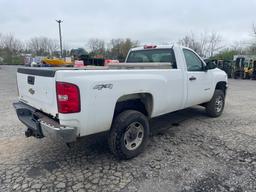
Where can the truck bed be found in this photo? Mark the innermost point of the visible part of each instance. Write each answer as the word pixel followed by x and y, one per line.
pixel 37 85
pixel 50 71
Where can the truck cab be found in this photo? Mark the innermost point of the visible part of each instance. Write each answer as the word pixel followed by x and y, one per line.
pixel 197 76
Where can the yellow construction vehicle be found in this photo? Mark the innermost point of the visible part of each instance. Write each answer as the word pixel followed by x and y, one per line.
pixel 56 62
pixel 244 66
pixel 253 76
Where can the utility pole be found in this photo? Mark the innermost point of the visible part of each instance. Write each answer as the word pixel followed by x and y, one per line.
pixel 59 21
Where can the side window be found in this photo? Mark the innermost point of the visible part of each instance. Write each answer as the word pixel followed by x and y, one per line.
pixel 192 60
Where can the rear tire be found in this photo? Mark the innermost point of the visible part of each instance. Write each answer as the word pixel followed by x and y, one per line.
pixel 129 134
pixel 215 106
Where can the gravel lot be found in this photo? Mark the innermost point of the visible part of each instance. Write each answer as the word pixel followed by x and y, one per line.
pixel 188 151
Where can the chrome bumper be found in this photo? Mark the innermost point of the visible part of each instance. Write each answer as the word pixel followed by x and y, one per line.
pixel 40 125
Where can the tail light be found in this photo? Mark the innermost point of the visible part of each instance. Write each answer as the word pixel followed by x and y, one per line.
pixel 68 97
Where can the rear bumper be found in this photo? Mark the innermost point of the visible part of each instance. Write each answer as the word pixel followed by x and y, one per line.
pixel 40 125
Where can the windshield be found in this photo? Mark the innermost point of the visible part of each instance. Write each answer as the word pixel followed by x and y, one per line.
pixel 151 56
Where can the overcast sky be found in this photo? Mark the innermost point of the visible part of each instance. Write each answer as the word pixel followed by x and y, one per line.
pixel 156 21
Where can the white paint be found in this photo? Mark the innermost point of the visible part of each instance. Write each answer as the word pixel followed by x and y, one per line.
pixel 170 88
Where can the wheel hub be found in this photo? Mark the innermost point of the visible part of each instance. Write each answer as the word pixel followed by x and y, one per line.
pixel 219 104
pixel 133 136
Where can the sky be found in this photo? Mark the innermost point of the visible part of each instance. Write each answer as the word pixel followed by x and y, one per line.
pixel 158 21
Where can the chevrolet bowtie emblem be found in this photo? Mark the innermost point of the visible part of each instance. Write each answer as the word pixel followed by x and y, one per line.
pixel 31 91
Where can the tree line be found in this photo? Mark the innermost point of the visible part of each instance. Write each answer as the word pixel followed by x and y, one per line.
pixel 207 45
pixel 212 45
pixel 12 49
pixel 114 49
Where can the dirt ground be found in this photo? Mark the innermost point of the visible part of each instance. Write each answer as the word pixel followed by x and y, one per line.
pixel 188 151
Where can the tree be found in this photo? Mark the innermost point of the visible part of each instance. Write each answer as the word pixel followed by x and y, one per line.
pixel 1 47
pixel 10 48
pixel 97 47
pixel 254 29
pixel 119 48
pixel 226 54
pixel 126 45
pixel 206 45
pixel 115 48
pixel 214 43
pixel 1 41
pixel 191 42
pixel 11 43
pixel 252 47
pixel 42 46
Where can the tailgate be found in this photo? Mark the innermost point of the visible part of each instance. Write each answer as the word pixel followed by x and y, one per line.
pixel 37 88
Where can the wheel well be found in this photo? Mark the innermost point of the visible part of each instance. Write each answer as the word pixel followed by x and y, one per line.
pixel 142 102
pixel 222 86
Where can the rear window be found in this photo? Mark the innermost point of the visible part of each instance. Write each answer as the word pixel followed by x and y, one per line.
pixel 152 56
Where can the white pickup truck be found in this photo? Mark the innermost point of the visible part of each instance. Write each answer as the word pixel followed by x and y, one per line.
pixel 69 103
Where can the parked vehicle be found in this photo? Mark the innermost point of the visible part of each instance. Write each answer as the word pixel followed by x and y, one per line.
pixel 239 68
pixel 110 61
pixel 119 98
pixel 81 54
pixel 56 62
pixel 253 76
pixel 28 59
pixel 244 66
pixel 225 65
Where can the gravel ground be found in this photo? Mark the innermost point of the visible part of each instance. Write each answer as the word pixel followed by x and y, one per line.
pixel 188 151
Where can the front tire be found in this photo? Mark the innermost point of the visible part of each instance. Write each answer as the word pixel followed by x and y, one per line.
pixel 129 134
pixel 215 106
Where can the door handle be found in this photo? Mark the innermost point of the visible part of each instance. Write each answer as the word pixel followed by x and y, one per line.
pixel 192 78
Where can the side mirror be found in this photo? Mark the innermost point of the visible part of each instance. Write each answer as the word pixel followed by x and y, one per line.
pixel 210 65
pixel 205 67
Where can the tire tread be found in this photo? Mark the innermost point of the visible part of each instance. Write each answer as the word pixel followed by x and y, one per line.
pixel 118 129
